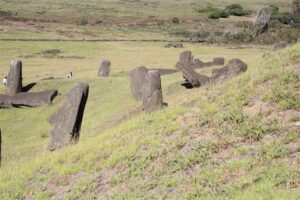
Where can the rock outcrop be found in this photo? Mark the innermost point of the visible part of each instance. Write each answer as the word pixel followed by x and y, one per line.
pixel 219 61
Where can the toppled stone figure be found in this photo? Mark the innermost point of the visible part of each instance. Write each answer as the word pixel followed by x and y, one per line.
pixel 67 120
pixel 219 61
pixel 234 67
pixel 185 65
pixel 104 68
pixel 152 93
pixel 30 99
pixel 14 79
pixel 137 81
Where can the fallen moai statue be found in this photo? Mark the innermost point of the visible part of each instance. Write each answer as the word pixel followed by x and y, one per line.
pixel 219 61
pixel 67 120
pixel 152 93
pixel 234 67
pixel 137 81
pixel 14 79
pixel 30 99
pixel 104 68
pixel 185 65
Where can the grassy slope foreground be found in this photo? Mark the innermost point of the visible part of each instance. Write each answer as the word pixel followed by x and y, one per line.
pixel 234 140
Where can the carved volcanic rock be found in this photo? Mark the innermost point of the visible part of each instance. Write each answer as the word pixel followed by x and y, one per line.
pixel 31 99
pixel 219 61
pixel 185 65
pixel 104 68
pixel 137 81
pixel 152 93
pixel 14 79
pixel 234 67
pixel 67 121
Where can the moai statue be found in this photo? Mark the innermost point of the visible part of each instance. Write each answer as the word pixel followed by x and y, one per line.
pixel 67 120
pixel 14 79
pixel 137 81
pixel 152 93
pixel 104 68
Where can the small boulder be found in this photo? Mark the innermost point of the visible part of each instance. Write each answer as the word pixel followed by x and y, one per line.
pixel 137 81
pixel 219 61
pixel 67 120
pixel 104 68
pixel 234 67
pixel 14 79
pixel 152 93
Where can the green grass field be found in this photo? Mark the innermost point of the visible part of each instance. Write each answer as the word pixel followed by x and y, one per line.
pixel 237 139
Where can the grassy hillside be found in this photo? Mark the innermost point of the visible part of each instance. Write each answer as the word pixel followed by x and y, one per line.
pixel 235 140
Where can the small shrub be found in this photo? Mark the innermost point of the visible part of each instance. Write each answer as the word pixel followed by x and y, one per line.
pixel 175 20
pixel 218 14
pixel 234 6
pixel 83 22
pixel 285 18
pixel 208 9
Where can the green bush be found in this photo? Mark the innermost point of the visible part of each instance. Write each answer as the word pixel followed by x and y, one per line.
pixel 234 6
pixel 285 18
pixel 218 14
pixel 237 10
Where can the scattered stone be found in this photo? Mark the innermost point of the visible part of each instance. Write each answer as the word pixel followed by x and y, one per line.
pixel 174 45
pixel 30 99
pixel 219 61
pixel 278 46
pixel 137 81
pixel 234 67
pixel 14 79
pixel 67 120
pixel 152 93
pixel 185 65
pixel 104 68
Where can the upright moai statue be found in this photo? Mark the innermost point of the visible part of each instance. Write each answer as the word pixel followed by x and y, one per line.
pixel 67 121
pixel 14 79
pixel 104 68
pixel 137 81
pixel 152 93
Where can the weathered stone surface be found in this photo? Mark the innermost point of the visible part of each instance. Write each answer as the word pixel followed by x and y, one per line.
pixel 234 67
pixel 152 93
pixel 219 61
pixel 278 46
pixel 14 79
pixel 198 64
pixel 137 81
pixel 30 99
pixel 185 65
pixel 67 120
pixel 104 68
